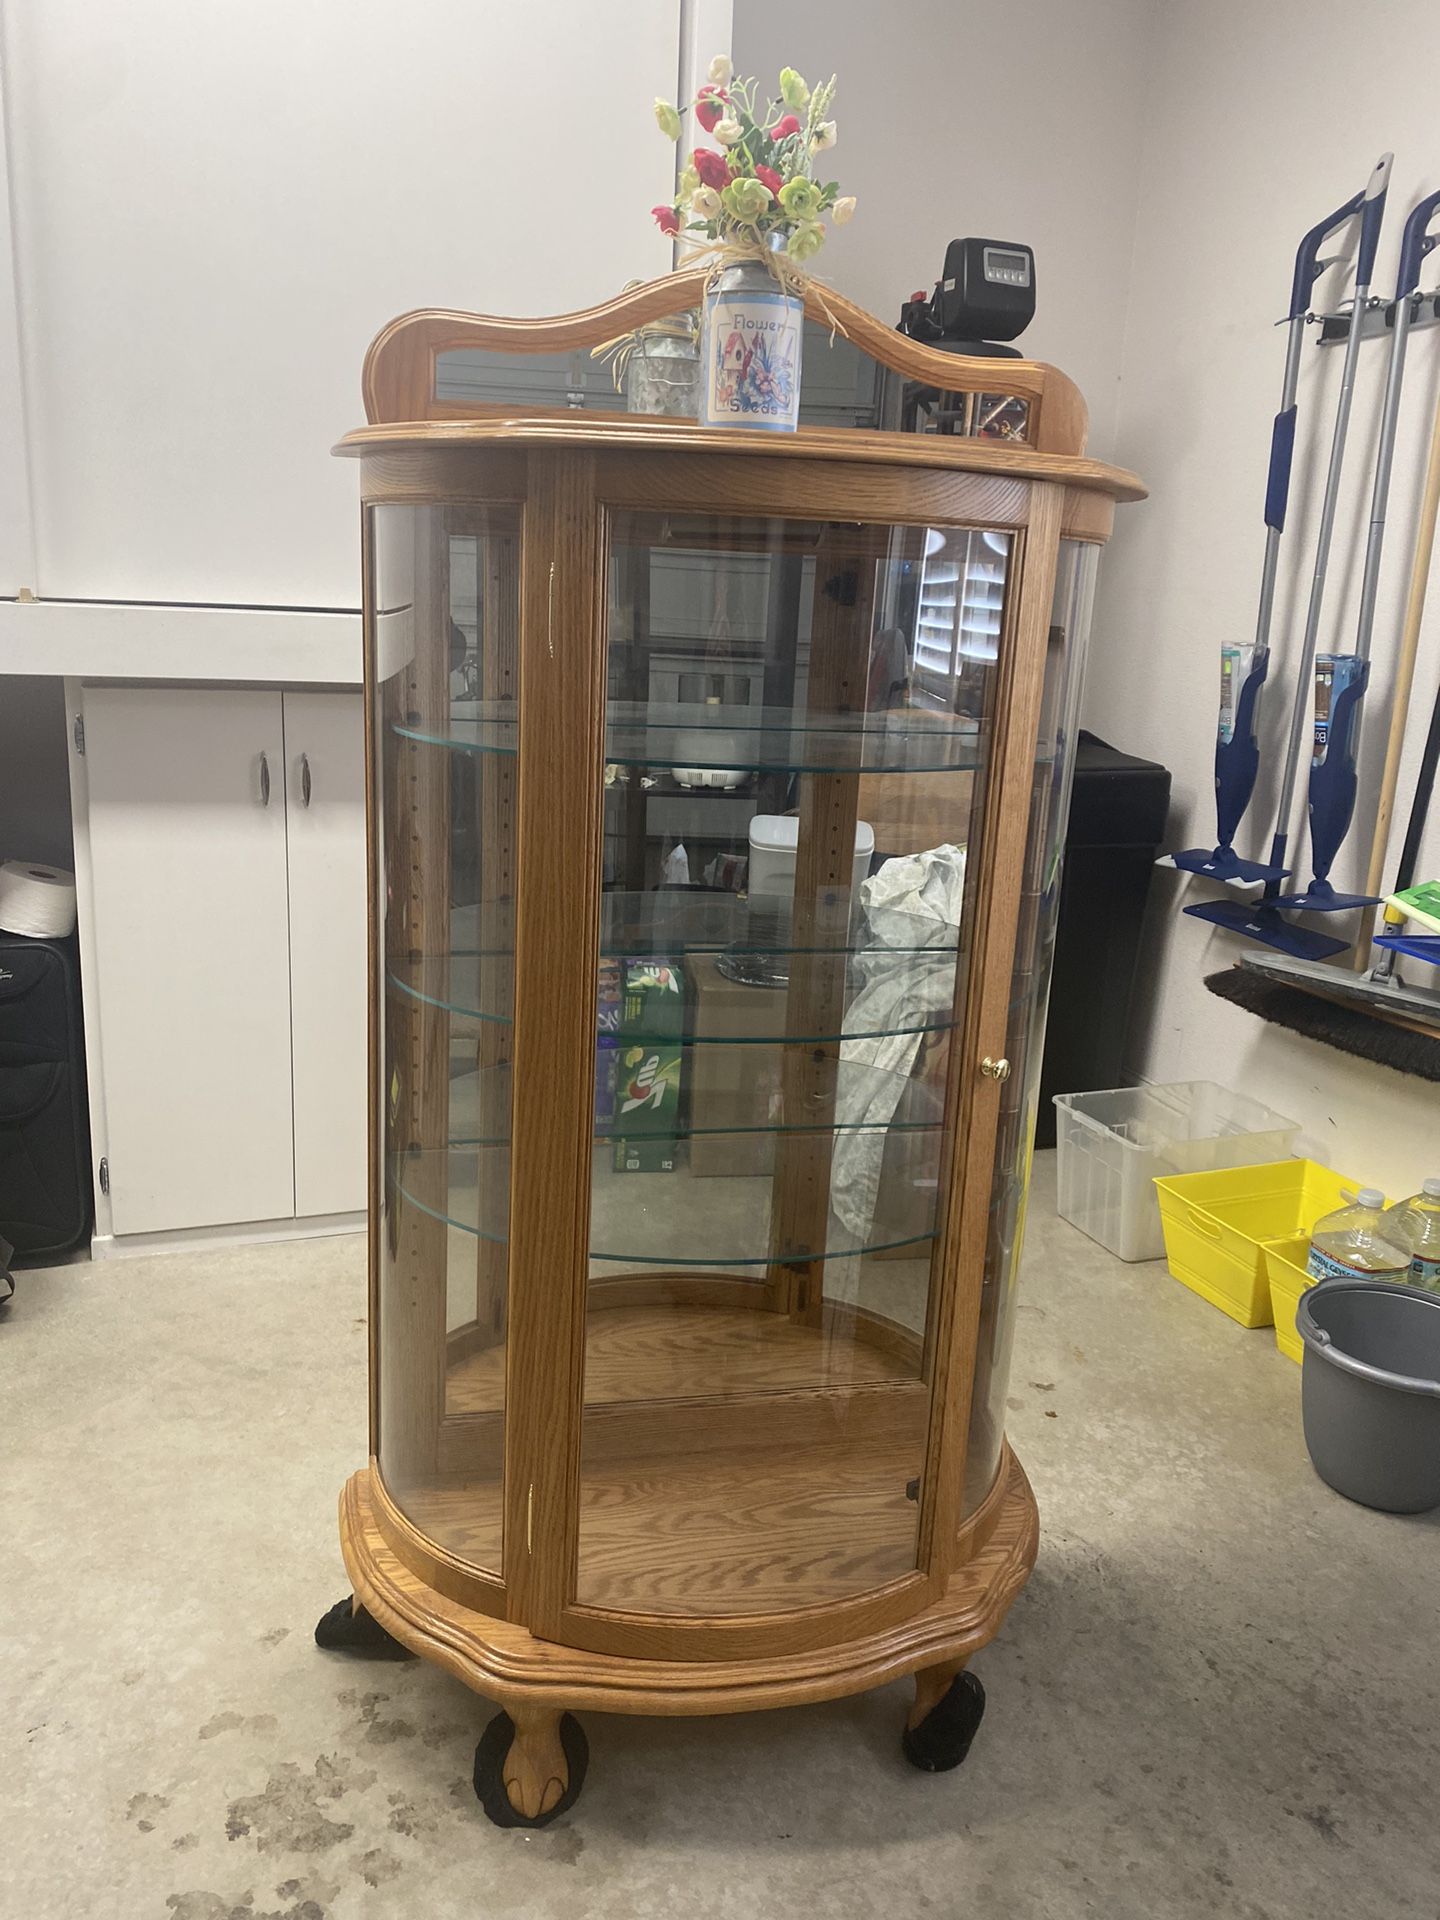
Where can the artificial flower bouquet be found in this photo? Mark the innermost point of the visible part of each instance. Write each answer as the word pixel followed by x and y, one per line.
pixel 755 191
pixel 751 207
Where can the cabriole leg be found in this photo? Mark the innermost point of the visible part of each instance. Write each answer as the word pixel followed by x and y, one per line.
pixel 530 1768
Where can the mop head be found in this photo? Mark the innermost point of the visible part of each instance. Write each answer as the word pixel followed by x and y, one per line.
pixel 1368 1036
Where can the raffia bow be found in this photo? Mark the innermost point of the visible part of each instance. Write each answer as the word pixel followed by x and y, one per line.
pixel 716 256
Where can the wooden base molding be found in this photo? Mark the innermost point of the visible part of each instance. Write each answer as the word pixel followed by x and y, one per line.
pixel 507 1663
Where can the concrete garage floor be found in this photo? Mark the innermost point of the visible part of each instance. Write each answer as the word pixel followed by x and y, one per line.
pixel 1218 1695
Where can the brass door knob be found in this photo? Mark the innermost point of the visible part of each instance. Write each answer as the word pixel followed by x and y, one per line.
pixel 995 1069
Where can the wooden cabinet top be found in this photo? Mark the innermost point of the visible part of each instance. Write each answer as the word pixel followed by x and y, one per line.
pixel 403 409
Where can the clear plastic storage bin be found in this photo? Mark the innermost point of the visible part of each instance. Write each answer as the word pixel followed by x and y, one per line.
pixel 1112 1145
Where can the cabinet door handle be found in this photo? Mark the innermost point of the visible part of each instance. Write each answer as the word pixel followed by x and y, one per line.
pixel 264 780
pixel 305 786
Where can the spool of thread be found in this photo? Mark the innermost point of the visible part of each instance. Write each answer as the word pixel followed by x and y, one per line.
pixel 37 900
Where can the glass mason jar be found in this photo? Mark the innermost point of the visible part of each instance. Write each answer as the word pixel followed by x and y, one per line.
pixel 751 335
pixel 662 374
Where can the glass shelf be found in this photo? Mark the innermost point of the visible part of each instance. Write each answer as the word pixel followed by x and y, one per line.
pixel 487 1089
pixel 887 1030
pixel 458 983
pixel 465 1187
pixel 659 923
pixel 637 1219
pixel 479 731
pixel 454 984
pixel 739 740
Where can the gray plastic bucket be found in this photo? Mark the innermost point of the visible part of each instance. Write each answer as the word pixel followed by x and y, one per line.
pixel 1370 1390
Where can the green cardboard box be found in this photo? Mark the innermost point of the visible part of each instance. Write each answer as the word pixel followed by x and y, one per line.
pixel 647 1079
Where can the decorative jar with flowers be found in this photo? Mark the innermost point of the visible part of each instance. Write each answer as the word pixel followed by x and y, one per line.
pixel 752 207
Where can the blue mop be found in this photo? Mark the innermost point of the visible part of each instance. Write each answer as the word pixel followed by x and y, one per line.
pixel 1263 920
pixel 1341 678
pixel 1243 669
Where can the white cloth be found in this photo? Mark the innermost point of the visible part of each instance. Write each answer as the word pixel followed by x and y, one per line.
pixel 913 902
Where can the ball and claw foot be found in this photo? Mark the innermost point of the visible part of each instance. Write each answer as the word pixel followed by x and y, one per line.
pixel 530 1769
pixel 348 1628
pixel 949 1707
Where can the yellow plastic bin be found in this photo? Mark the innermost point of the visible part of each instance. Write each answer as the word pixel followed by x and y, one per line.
pixel 1285 1270
pixel 1216 1226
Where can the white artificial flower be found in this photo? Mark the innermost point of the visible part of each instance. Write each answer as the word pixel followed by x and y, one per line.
pixel 727 132
pixel 843 210
pixel 705 203
pixel 721 68
pixel 823 136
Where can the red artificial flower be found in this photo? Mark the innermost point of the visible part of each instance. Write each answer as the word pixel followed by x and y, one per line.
pixel 666 219
pixel 710 104
pixel 712 167
pixel 789 124
pixel 770 178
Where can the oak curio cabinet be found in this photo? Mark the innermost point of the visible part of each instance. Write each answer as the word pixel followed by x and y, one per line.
pixel 717 790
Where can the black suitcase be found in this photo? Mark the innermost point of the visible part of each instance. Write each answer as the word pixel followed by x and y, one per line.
pixel 44 1125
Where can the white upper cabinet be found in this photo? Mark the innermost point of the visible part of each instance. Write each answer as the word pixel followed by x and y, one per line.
pixel 217 207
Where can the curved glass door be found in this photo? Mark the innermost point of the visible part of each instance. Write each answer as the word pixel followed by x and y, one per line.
pixel 799 724
pixel 445 627
pixel 1055 743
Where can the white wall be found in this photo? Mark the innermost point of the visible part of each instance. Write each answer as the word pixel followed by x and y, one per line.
pixel 1011 119
pixel 208 234
pixel 1163 160
pixel 1260 120
pixel 217 207
pixel 17 553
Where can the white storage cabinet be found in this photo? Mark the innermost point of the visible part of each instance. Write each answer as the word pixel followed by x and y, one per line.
pixel 221 863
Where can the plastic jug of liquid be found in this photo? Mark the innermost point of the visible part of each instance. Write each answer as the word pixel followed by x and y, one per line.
pixel 1355 1243
pixel 1414 1226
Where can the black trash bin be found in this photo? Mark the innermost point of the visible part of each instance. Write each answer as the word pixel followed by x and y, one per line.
pixel 1117 826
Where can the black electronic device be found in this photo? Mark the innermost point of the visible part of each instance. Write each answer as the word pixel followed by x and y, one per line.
pixel 987 291
pixel 986 295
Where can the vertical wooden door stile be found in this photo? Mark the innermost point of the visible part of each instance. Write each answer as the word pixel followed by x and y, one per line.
pixel 630 608
pixel 498 577
pixel 561 742
pixel 821 917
